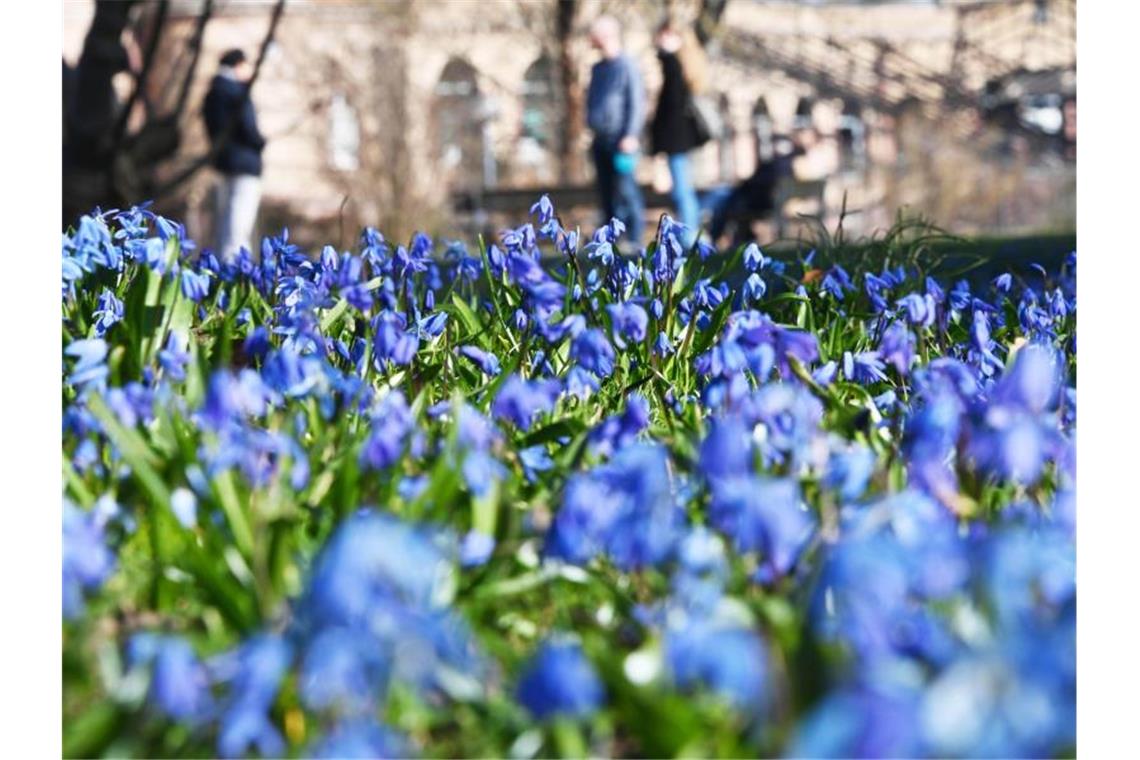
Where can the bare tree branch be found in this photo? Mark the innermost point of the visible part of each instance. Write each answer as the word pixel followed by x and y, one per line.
pixel 196 47
pixel 223 138
pixel 708 19
pixel 120 129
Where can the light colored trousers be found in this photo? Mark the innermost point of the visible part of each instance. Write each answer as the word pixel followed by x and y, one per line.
pixel 238 196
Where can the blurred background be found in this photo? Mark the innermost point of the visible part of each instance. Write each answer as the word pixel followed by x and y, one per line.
pixel 452 116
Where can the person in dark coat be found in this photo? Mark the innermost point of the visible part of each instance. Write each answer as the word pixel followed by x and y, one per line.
pixel 674 130
pixel 231 123
pixel 755 196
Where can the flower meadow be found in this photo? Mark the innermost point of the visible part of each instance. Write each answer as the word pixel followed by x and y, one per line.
pixel 553 495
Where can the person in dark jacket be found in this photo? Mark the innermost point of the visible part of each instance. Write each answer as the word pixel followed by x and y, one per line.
pixel 615 112
pixel 674 131
pixel 755 196
pixel 231 123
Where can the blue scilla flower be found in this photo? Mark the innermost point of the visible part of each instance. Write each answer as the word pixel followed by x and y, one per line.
pixel 702 569
pixel 865 367
pixel 152 253
pixel 481 471
pixel 849 470
pixel 754 287
pixel 897 347
pixel 960 296
pixel 475 548
pixel 487 362
pixel 1003 282
pixel 726 451
pixel 877 290
pixel 990 705
pixel 360 737
pixel 580 383
pixel 544 298
pixel 1033 382
pixel 230 399
pixel 174 357
pixel 342 670
pixel 602 251
pixel 837 282
pixel 392 344
pixel 292 374
pixel 544 209
pixel 919 308
pixel 767 343
pixel 728 660
pixel 624 508
pixel 87 560
pixel 1013 445
pixel 560 681
pixel 825 374
pixel 753 258
pixel 370 559
pixel 982 344
pixel 589 510
pixel 184 505
pixel 876 716
pixel 520 401
pixel 535 460
pixel 787 420
pixel 765 515
pixel 91 246
pixel 593 352
pixel 630 322
pixel 390 428
pixel 253 673
pixel 708 296
pixel 1031 578
pixel 180 683
pixel 90 369
pixel 619 430
pixel 662 346
pixel 108 312
pixel 195 285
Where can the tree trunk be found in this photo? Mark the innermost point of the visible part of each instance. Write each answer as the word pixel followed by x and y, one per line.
pixel 570 160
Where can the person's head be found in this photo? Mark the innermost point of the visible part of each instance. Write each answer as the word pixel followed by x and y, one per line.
pixel 236 61
pixel 669 37
pixel 680 40
pixel 605 36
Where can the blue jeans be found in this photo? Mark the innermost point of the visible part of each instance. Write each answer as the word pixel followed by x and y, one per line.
pixel 619 194
pixel 685 194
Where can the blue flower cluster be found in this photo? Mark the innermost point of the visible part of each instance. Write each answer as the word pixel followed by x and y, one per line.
pixel 620 497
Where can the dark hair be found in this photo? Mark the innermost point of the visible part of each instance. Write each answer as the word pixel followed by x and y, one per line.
pixel 232 57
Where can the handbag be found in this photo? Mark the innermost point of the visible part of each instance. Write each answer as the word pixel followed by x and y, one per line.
pixel 707 121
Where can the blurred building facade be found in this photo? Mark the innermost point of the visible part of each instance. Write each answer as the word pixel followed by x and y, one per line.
pixel 385 112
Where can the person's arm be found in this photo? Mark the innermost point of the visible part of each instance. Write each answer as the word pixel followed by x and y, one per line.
pixel 634 109
pixel 247 131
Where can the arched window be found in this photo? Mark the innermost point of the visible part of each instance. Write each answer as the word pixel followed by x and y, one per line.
pixel 763 131
pixel 803 118
pixel 458 116
pixel 535 155
pixel 540 106
pixel 726 153
pixel 852 136
pixel 344 135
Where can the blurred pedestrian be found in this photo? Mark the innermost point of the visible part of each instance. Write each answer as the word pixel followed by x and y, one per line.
pixel 237 144
pixel 755 196
pixel 615 112
pixel 674 130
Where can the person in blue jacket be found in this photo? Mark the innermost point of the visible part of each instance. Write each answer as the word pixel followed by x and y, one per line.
pixel 236 142
pixel 615 113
